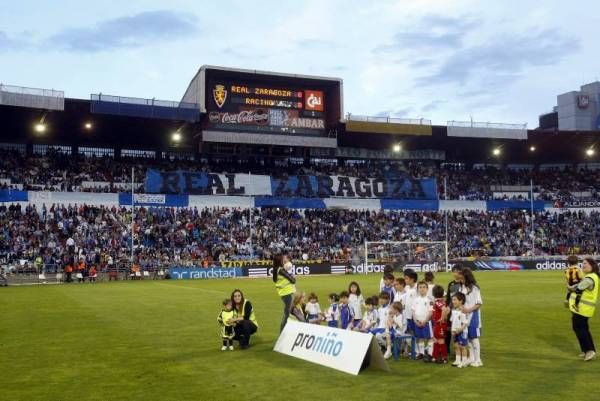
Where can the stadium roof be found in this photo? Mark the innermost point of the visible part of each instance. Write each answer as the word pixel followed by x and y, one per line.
pixel 66 128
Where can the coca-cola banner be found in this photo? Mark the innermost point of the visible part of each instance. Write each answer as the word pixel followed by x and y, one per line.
pixel 275 118
pixel 250 117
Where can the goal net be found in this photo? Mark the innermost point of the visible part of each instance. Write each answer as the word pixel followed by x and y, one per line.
pixel 421 256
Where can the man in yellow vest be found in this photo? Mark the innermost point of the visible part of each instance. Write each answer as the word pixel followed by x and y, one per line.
pixel 580 315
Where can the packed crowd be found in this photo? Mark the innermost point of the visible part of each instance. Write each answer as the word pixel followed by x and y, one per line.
pixel 191 236
pixel 60 172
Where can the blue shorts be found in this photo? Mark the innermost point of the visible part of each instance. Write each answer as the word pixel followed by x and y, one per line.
pixel 461 339
pixel 474 329
pixel 423 332
pixel 312 318
pixel 377 331
pixel 395 333
pixel 356 322
pixel 410 326
pixel 332 323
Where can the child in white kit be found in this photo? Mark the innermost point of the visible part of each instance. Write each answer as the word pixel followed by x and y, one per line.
pixel 394 327
pixel 429 277
pixel 422 308
pixel 386 270
pixel 410 294
pixel 369 319
pixel 460 330
pixel 382 315
pixel 400 291
pixel 356 302
pixel 313 310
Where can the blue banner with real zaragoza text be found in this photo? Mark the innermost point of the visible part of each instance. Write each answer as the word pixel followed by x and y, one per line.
pixel 297 186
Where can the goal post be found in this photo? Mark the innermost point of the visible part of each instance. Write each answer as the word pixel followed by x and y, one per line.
pixel 417 255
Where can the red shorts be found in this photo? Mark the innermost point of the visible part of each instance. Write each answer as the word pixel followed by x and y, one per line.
pixel 439 330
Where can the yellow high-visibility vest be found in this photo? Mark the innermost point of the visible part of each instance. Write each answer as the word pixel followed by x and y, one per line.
pixel 252 316
pixel 587 303
pixel 284 286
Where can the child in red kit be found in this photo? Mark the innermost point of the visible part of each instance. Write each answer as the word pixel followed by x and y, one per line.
pixel 439 317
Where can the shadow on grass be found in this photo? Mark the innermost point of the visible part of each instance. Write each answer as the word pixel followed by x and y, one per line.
pixel 566 345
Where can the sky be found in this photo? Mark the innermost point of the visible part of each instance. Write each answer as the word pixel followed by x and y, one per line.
pixel 501 61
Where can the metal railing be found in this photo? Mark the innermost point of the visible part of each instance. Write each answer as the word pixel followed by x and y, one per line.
pixel 54 274
pixel 149 108
pixel 37 98
pixel 475 124
pixel 145 102
pixel 23 90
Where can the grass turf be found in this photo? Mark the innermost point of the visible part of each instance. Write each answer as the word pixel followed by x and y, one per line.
pixel 158 340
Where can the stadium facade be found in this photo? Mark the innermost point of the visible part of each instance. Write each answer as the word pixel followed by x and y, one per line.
pixel 263 116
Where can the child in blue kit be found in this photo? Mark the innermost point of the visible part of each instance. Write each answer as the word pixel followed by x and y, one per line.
pixel 388 285
pixel 346 312
pixel 333 312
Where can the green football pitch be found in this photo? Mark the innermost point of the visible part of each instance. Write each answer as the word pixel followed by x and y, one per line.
pixel 158 340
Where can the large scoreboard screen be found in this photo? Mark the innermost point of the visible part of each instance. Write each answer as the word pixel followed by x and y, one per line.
pixel 243 106
pixel 279 105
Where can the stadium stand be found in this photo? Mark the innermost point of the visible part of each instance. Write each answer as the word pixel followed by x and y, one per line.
pixel 66 196
pixel 100 236
pixel 56 171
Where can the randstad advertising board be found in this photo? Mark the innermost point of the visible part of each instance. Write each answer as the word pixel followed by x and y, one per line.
pixel 344 350
pixel 199 273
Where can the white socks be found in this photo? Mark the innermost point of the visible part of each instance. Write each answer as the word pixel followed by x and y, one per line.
pixel 475 350
pixel 421 348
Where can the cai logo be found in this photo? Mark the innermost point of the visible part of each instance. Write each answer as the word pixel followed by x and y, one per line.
pixel 313 100
pixel 583 101
pixel 219 95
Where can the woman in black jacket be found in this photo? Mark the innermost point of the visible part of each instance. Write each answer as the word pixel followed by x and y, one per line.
pixel 244 320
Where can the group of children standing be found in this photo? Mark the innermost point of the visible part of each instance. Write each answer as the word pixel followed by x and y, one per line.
pixel 407 307
pixel 404 307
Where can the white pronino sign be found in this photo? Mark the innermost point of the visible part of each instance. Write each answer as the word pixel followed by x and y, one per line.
pixel 343 350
